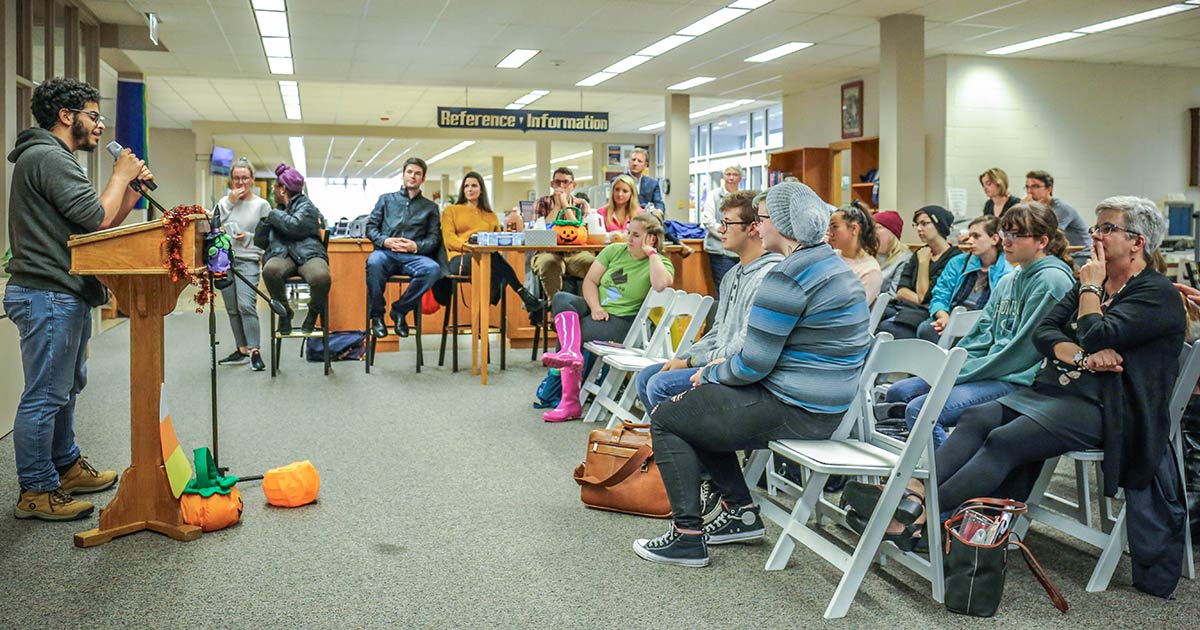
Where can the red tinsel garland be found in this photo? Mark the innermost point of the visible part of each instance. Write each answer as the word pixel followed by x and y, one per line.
pixel 174 222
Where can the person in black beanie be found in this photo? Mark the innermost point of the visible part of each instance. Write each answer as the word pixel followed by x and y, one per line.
pixel 915 289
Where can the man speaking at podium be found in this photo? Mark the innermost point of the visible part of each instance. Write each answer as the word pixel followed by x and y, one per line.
pixel 51 199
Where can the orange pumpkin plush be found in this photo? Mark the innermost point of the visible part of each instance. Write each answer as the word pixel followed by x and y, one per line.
pixel 293 485
pixel 570 232
pixel 210 501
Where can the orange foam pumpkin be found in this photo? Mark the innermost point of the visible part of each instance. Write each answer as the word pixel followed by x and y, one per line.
pixel 214 512
pixel 293 485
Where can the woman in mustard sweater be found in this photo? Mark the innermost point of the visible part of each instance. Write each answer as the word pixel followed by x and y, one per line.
pixel 473 213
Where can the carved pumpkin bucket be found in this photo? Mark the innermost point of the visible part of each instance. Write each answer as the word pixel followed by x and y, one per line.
pixel 210 501
pixel 293 485
pixel 570 232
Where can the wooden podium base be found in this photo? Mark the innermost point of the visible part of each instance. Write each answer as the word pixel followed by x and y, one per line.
pixel 93 537
pixel 140 505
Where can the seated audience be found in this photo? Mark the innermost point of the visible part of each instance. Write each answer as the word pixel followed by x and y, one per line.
pixel 1110 353
pixel 472 213
pixel 915 287
pixel 622 206
pixel 967 281
pixel 613 290
pixel 1039 186
pixel 893 253
pixel 1000 353
pixel 995 186
pixel 406 230
pixel 787 381
pixel 739 234
pixel 291 242
pixel 549 267
pixel 852 234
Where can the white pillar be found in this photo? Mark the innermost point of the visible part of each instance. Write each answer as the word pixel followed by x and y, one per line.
pixel 8 113
pixel 447 190
pixel 541 177
pixel 676 156
pixel 499 202
pixel 902 112
pixel 599 167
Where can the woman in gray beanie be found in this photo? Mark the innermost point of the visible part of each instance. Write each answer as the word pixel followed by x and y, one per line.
pixel 915 288
pixel 787 382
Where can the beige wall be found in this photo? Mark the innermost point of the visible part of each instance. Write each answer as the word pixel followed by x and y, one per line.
pixel 172 158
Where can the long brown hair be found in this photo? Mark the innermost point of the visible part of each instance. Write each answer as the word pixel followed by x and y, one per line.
pixel 483 202
pixel 1038 220
pixel 868 240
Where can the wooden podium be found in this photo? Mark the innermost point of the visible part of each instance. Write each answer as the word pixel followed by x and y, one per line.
pixel 129 260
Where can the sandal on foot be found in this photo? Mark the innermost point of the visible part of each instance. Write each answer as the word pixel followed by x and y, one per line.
pixel 905 540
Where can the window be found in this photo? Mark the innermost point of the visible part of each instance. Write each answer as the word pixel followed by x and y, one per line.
pixel 775 126
pixel 695 142
pixel 730 134
pixel 703 147
pixel 756 178
pixel 758 128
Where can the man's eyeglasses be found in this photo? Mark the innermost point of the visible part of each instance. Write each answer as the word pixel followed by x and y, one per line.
pixel 561 182
pixel 1108 228
pixel 1012 236
pixel 726 224
pixel 95 116
pixel 1035 187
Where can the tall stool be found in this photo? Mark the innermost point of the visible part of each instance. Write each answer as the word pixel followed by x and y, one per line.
pixel 400 280
pixel 292 286
pixel 450 325
pixel 541 327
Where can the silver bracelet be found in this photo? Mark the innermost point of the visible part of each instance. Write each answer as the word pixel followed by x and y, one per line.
pixel 1092 288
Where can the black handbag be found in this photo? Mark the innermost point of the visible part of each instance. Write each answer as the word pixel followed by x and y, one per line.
pixel 975 569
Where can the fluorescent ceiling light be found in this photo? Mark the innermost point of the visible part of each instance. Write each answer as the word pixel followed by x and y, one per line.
pixel 291 111
pixel 1034 43
pixel 720 108
pixel 531 97
pixel 573 156
pixel 280 65
pixel 596 79
pixel 1135 18
pixel 299 159
pixel 451 151
pixel 657 125
pixel 514 106
pixel 748 4
pixel 778 52
pixel 268 5
pixel 291 99
pixel 665 44
pixel 628 63
pixel 691 83
pixel 289 90
pixel 714 20
pixel 272 23
pixel 517 58
pixel 277 46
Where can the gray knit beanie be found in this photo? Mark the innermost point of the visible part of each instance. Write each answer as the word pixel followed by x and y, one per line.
pixel 798 212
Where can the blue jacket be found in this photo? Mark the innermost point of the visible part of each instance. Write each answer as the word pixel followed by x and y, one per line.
pixel 951 280
pixel 650 192
pixel 416 219
pixel 1000 346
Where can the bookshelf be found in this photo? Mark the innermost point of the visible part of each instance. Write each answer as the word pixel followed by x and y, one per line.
pixel 811 165
pixel 864 156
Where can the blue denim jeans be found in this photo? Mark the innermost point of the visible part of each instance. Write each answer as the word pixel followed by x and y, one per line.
pixel 55 328
pixel 655 386
pixel 424 270
pixel 914 391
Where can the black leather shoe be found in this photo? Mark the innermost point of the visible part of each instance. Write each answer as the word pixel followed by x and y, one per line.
pixel 378 328
pixel 285 325
pixel 310 322
pixel 401 327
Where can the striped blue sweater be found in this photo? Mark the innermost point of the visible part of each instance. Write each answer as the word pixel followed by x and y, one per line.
pixel 807 337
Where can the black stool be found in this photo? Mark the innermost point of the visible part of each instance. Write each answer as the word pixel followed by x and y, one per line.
pixel 400 280
pixel 450 325
pixel 291 284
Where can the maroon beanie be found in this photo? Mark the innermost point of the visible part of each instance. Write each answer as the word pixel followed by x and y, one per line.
pixel 891 220
pixel 291 179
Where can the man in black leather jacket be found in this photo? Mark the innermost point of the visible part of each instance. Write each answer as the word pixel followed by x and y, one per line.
pixel 291 241
pixel 407 232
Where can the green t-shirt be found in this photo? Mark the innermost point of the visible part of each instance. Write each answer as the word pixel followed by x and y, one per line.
pixel 626 280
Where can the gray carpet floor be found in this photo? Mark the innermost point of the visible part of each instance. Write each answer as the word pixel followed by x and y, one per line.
pixel 443 504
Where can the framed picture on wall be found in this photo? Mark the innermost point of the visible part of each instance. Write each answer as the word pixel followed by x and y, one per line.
pixel 852 109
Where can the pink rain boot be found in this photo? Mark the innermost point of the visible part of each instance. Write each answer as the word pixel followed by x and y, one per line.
pixel 566 324
pixel 568 408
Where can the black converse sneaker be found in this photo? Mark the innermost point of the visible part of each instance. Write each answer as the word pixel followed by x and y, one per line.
pixel 735 525
pixel 673 547
pixel 710 501
pixel 236 358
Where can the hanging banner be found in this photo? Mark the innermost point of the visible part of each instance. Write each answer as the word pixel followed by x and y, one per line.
pixel 520 119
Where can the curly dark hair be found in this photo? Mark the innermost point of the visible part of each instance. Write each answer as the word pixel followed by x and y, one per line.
pixel 55 94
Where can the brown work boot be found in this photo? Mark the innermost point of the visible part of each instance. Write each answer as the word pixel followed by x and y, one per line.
pixel 82 478
pixel 54 505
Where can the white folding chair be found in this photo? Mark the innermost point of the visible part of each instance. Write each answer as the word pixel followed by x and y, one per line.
pixel 876 455
pixel 877 309
pixel 961 322
pixel 635 340
pixel 1073 517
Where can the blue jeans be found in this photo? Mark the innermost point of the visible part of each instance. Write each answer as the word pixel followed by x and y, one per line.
pixel 655 386
pixel 914 391
pixel 382 263
pixel 55 328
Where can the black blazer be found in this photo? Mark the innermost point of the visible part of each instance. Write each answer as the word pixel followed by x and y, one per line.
pixel 1145 323
pixel 989 208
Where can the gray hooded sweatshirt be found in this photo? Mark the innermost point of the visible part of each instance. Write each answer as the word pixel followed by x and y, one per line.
pixel 51 199
pixel 728 331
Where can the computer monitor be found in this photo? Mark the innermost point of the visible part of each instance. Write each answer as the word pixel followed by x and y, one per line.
pixel 222 161
pixel 527 211
pixel 1179 218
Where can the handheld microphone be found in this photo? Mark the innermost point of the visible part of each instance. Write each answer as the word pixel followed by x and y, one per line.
pixel 114 148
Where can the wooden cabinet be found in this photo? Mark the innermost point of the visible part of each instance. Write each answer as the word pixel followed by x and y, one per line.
pixel 811 165
pixel 864 156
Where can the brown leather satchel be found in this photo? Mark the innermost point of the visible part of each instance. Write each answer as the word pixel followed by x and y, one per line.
pixel 620 474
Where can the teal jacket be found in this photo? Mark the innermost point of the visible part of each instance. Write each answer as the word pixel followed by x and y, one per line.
pixel 952 277
pixel 1000 346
